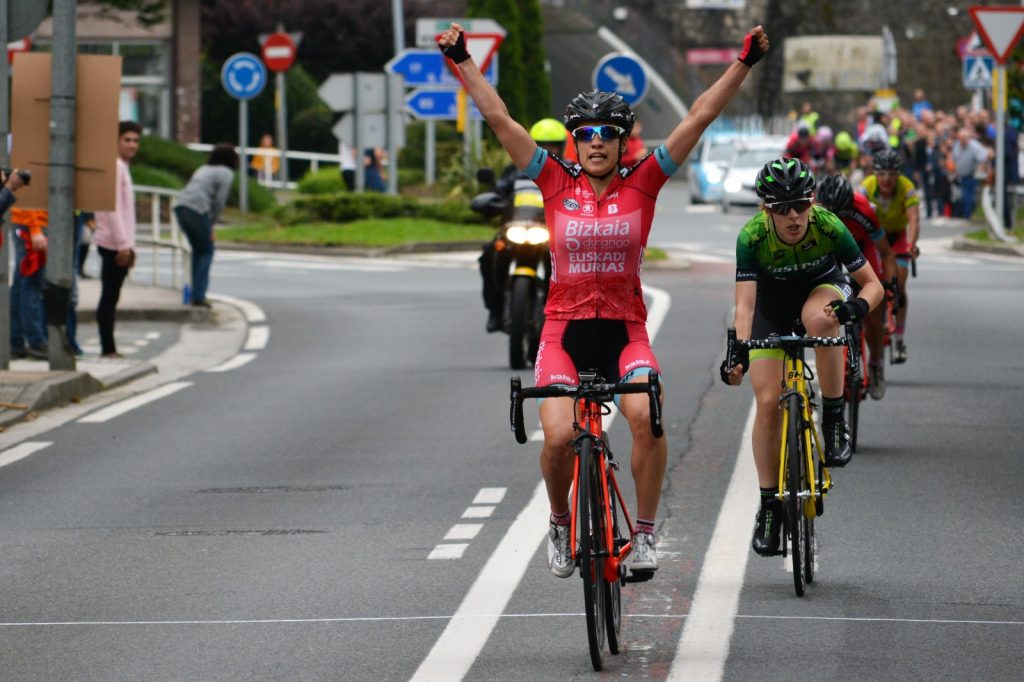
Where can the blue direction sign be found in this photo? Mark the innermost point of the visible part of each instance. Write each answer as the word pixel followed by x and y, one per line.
pixel 624 74
pixel 978 72
pixel 436 104
pixel 244 76
pixel 427 67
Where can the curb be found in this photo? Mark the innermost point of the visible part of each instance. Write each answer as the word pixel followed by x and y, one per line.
pixel 966 244
pixel 367 252
pixel 176 314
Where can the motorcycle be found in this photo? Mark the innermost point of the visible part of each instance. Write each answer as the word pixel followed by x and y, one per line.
pixel 522 243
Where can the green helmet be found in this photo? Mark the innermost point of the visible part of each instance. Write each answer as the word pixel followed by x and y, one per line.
pixel 548 131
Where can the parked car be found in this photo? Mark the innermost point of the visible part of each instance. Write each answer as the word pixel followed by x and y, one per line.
pixel 748 157
pixel 707 167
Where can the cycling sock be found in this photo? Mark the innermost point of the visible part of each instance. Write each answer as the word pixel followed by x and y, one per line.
pixel 768 494
pixel 644 526
pixel 832 409
pixel 898 334
pixel 560 519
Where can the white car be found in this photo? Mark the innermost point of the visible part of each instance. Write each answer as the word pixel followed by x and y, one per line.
pixel 748 158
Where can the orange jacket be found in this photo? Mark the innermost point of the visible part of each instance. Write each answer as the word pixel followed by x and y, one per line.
pixel 34 219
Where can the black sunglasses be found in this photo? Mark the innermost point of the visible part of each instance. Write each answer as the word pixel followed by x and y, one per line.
pixel 784 207
pixel 605 132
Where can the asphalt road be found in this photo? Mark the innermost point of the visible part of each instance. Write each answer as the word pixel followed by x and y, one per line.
pixel 277 520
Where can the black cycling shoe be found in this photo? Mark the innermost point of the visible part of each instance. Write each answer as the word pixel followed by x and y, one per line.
pixel 838 452
pixel 493 323
pixel 768 531
pixel 900 354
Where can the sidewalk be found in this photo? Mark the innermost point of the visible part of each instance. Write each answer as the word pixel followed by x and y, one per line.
pixel 29 386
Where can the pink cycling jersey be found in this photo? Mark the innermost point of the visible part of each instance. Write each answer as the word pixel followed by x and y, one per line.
pixel 862 221
pixel 597 243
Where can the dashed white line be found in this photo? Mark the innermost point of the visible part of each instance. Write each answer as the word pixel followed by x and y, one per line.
pixel 463 531
pixel 21 451
pixel 490 496
pixel 478 512
pixel 451 551
pixel 117 409
pixel 257 338
pixel 234 363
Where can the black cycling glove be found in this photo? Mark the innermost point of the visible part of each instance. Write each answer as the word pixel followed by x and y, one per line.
pixel 457 52
pixel 741 357
pixel 850 311
pixel 751 53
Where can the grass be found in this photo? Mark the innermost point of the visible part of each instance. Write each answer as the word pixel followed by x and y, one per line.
pixel 984 236
pixel 373 232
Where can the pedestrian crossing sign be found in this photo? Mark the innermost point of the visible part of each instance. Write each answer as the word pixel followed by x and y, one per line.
pixel 978 72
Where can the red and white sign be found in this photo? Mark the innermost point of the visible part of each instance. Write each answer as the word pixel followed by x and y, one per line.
pixel 1000 28
pixel 23 45
pixel 700 56
pixel 279 52
pixel 481 47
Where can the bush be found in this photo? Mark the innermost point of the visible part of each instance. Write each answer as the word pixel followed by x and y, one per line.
pixel 155 177
pixel 324 181
pixel 407 177
pixel 168 156
pixel 344 207
pixel 261 199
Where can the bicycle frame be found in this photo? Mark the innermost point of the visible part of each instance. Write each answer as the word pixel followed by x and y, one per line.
pixel 589 423
pixel 796 382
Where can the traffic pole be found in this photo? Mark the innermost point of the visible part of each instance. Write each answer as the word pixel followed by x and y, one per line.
pixel 243 139
pixel 282 118
pixel 5 233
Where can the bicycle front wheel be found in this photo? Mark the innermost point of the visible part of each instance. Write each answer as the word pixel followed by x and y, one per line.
pixel 590 526
pixel 854 386
pixel 795 484
pixel 613 589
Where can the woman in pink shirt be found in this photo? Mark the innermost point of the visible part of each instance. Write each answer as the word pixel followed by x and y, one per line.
pixel 115 238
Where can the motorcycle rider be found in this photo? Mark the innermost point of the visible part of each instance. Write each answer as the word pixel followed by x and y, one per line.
pixel 549 134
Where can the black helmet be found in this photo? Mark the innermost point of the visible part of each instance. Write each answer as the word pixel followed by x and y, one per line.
pixel 784 180
pixel 835 193
pixel 886 159
pixel 598 106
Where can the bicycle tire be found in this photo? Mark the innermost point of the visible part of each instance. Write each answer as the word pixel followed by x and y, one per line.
pixel 613 590
pixel 809 549
pixel 853 395
pixel 589 525
pixel 794 481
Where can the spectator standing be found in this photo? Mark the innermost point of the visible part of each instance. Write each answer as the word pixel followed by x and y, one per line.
pixel 921 104
pixel 347 158
pixel 266 160
pixel 12 184
pixel 115 238
pixel 636 149
pixel 28 315
pixel 374 181
pixel 199 205
pixel 968 156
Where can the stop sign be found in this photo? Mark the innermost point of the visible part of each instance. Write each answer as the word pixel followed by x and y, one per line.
pixel 278 52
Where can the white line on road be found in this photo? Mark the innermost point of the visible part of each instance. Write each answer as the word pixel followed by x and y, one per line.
pixel 20 451
pixel 448 551
pixel 490 496
pixel 117 409
pixel 462 640
pixel 477 512
pixel 704 641
pixel 252 312
pixel 463 531
pixel 234 363
pixel 257 338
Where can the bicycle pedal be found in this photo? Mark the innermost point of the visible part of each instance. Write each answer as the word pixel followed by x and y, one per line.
pixel 639 576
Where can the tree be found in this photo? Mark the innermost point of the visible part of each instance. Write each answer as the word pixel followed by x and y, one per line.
pixel 150 12
pixel 534 60
pixel 511 83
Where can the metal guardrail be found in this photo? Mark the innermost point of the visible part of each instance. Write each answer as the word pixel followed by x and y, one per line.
pixel 314 159
pixel 162 238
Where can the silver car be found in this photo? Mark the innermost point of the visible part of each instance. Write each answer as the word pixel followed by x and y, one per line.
pixel 748 158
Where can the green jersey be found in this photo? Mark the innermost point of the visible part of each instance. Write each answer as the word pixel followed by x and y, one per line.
pixel 761 255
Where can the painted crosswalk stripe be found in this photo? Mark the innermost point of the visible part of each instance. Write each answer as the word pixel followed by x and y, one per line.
pixel 489 496
pixel 117 409
pixel 257 338
pixel 239 360
pixel 448 551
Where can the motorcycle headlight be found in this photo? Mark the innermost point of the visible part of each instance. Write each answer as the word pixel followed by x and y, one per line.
pixel 526 234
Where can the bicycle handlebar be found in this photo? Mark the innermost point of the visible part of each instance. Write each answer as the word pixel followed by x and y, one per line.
pixel 597 391
pixel 785 342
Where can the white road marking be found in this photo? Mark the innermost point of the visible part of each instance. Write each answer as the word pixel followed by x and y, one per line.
pixel 21 451
pixel 478 512
pixel 257 339
pixel 117 409
pixel 704 642
pixel 234 363
pixel 353 267
pixel 463 531
pixel 462 640
pixel 490 496
pixel 451 551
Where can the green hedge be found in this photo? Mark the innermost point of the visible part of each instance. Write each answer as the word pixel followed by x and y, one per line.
pixel 155 177
pixel 345 207
pixel 168 155
pixel 324 181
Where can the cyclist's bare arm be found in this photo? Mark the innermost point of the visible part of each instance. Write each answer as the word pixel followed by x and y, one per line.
pixel 710 104
pixel 513 137
pixel 913 226
pixel 746 296
pixel 888 257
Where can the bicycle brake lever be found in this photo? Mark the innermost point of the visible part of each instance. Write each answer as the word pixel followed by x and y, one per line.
pixel 516 410
pixel 653 393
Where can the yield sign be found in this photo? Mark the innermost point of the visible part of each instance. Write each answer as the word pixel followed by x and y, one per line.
pixel 1000 28
pixel 481 47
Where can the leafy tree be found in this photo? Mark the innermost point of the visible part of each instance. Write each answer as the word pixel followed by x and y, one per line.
pixel 511 80
pixel 150 12
pixel 534 60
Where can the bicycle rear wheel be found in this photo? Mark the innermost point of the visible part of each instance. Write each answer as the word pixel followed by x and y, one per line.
pixel 613 589
pixel 795 484
pixel 590 526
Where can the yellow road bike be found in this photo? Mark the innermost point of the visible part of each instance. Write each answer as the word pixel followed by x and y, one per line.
pixel 803 478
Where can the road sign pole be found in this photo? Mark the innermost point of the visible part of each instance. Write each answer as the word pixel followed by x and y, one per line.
pixel 430 153
pixel 394 108
pixel 243 140
pixel 281 102
pixel 999 86
pixel 5 124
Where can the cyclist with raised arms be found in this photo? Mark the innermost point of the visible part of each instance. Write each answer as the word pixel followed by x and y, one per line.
pixel 836 194
pixel 896 202
pixel 599 214
pixel 788 267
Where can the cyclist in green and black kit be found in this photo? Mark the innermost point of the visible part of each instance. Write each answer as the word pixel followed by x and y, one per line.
pixel 787 268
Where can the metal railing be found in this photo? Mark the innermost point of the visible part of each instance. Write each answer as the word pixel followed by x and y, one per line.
pixel 162 239
pixel 313 158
